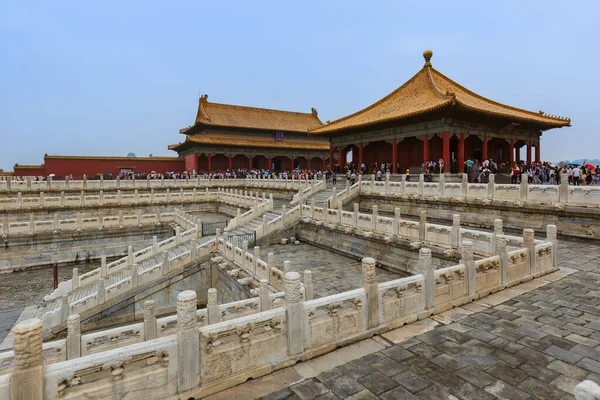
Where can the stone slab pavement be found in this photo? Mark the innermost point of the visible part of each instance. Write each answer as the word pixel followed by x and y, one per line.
pixel 536 340
pixel 332 272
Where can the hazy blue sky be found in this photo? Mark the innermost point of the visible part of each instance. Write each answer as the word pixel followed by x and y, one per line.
pixel 112 77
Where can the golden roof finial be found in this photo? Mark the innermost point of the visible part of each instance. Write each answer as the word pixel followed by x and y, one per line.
pixel 427 54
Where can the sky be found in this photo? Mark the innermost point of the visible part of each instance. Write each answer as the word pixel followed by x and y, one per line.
pixel 113 77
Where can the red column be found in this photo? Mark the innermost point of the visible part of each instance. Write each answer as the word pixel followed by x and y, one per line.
pixel 394 156
pixel 269 164
pixel 308 162
pixel 537 152
pixel 341 161
pixel 360 154
pixel 529 152
pixel 485 148
pixel 425 147
pixel 511 152
pixel 249 162
pixel 330 158
pixel 209 156
pixel 446 150
pixel 461 153
pixel 230 165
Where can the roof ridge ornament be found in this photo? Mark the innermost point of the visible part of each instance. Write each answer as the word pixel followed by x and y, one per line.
pixel 427 54
pixel 314 112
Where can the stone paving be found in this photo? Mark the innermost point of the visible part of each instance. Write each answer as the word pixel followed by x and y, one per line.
pixel 537 345
pixel 332 273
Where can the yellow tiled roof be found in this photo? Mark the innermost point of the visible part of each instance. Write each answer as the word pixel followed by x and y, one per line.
pixel 112 158
pixel 28 166
pixel 253 141
pixel 428 91
pixel 228 115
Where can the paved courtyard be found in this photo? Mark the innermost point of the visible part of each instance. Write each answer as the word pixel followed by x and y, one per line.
pixel 332 272
pixel 533 341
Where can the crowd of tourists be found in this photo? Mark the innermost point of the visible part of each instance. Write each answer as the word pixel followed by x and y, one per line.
pixel 477 172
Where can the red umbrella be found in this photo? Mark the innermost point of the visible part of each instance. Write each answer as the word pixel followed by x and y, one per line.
pixel 589 166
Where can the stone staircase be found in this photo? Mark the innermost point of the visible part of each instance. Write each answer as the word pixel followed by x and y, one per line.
pixel 54 305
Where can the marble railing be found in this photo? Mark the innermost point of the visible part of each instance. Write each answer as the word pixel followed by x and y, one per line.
pixel 418 231
pixel 31 186
pixel 344 196
pixel 79 345
pixel 258 207
pixel 305 193
pixel 130 261
pixel 196 362
pixel 563 194
pixel 101 199
pixel 83 223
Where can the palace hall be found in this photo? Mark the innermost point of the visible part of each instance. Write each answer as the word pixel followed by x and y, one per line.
pixel 227 136
pixel 430 117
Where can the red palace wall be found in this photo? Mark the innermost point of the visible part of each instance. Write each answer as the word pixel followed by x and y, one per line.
pixel 92 166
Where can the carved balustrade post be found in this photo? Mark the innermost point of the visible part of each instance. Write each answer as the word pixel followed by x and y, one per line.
pixel 422 225
pixel 73 342
pixel 552 237
pixel 498 230
pixel 455 230
pixel 130 255
pixel 563 189
pixel 490 186
pixel 150 329
pixel 529 243
pixel 464 185
pixel 75 279
pixel 294 309
pixel 371 288
pixel 27 377
pixel 188 342
pixel 212 306
pixel 503 254
pixel 374 217
pixel 467 260
pixel 103 267
pixel 426 268
pixel 524 187
pixel 263 293
pixel 442 185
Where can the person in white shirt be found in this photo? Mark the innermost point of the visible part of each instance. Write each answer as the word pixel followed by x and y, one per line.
pixel 576 173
